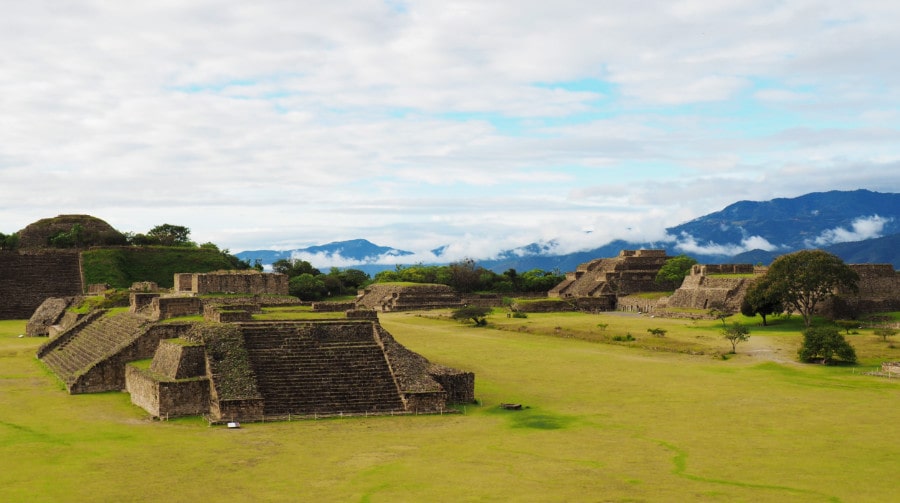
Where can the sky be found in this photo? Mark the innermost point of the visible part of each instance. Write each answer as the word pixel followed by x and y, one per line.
pixel 479 126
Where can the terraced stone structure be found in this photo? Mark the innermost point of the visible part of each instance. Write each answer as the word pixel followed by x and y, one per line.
pixel 715 285
pixel 630 272
pixel 253 370
pixel 249 282
pixel 405 297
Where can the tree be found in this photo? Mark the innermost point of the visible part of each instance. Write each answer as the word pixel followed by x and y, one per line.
pixel 761 299
pixel 9 241
pixel 885 332
pixel 825 344
pixel 170 235
pixel 475 313
pixel 675 269
pixel 294 267
pixel 719 311
pixel 805 278
pixel 464 275
pixel 307 287
pixel 736 333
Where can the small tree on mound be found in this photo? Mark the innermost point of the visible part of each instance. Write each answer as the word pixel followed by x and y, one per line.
pixel 475 313
pixel 736 333
pixel 825 344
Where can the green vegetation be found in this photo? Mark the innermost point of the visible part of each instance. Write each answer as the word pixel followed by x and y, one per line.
pixel 120 267
pixel 467 276
pixel 617 422
pixel 801 280
pixel 735 334
pixel 826 345
pixel 478 314
pixel 675 269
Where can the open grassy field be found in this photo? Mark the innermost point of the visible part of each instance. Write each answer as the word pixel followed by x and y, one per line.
pixel 604 422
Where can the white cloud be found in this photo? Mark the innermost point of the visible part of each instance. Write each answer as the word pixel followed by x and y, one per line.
pixel 688 244
pixel 860 229
pixel 482 125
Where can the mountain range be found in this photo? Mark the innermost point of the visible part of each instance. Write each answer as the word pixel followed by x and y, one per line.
pixel 859 226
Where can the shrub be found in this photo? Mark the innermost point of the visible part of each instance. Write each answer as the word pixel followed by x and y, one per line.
pixel 624 338
pixel 825 344
pixel 658 332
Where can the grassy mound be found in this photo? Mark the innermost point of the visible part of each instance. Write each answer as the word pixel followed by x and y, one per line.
pixel 120 267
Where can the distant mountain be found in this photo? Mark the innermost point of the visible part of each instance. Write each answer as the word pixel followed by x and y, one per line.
pixel 364 254
pixel 859 226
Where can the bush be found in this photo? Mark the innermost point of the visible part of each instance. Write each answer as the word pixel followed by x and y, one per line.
pixel 825 344
pixel 519 314
pixel 624 338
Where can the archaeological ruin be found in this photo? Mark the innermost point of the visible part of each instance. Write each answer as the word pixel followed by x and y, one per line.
pixel 607 279
pixel 230 367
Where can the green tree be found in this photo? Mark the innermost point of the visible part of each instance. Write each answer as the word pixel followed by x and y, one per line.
pixel 736 333
pixel 294 267
pixel 675 269
pixel 465 275
pixel 475 313
pixel 170 235
pixel 825 344
pixel 761 299
pixel 805 278
pixel 885 332
pixel 307 287
pixel 9 241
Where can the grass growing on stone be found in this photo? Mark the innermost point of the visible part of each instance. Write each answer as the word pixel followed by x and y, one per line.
pixel 601 422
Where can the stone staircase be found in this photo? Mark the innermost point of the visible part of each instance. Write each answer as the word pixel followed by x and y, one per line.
pixel 92 344
pixel 307 368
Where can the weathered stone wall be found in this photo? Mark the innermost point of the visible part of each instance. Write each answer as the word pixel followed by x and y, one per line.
pixel 459 386
pixel 28 278
pixel 49 313
pixel 879 291
pixel 332 307
pixel 109 375
pixel 394 297
pixel 162 308
pixel 140 301
pixel 586 304
pixel 165 398
pixel 179 359
pixel 702 290
pixel 637 304
pixel 250 282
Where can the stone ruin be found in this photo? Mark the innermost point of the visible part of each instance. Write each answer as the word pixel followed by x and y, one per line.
pixel 247 282
pixel 397 297
pixel 715 285
pixel 632 271
pixel 237 369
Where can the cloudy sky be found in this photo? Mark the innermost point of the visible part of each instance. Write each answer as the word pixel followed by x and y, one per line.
pixel 482 125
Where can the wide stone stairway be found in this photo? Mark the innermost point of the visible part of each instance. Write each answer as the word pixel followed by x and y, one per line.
pixel 320 368
pixel 93 344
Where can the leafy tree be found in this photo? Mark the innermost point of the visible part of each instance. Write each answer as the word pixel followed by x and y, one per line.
pixel 537 280
pixel 847 325
pixel 294 267
pixel 9 241
pixel 465 275
pixel 736 333
pixel 170 235
pixel 803 279
pixel 475 313
pixel 825 344
pixel 885 332
pixel 761 299
pixel 307 287
pixel 675 269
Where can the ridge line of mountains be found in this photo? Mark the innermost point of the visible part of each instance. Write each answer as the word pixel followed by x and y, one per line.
pixel 860 226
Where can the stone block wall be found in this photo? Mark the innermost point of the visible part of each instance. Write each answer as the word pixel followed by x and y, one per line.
pixel 165 398
pixel 162 308
pixel 49 313
pixel 250 282
pixel 28 278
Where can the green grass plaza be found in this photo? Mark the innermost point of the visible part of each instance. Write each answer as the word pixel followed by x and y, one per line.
pixel 672 418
